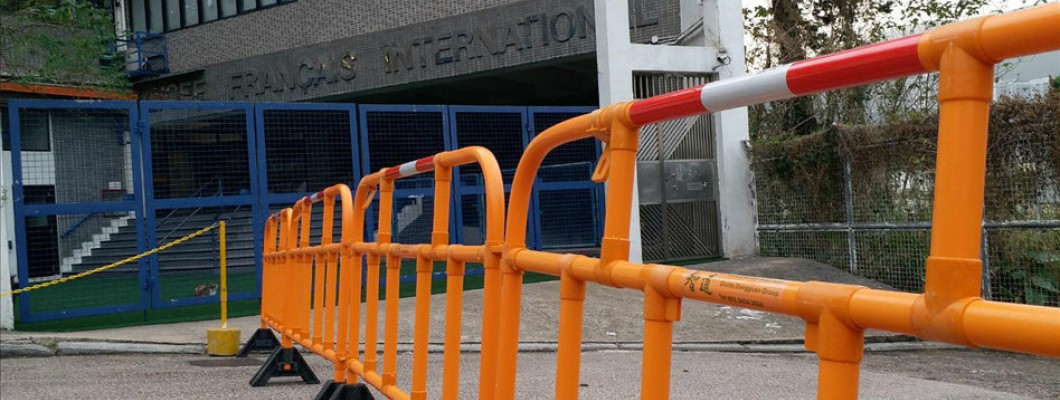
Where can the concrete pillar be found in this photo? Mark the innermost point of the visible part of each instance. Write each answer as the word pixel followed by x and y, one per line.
pixel 717 47
pixel 615 80
pixel 7 215
pixel 736 204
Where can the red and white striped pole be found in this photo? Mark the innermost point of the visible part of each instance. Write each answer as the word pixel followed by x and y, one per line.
pixel 859 66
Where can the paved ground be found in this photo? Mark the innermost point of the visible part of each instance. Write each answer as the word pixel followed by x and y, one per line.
pixel 956 374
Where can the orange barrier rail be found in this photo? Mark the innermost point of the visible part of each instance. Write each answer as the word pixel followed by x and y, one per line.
pixel 302 285
pixel 951 310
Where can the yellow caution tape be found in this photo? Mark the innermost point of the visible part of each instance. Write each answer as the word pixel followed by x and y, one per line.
pixel 112 265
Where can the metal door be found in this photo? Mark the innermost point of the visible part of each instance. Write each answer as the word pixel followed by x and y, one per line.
pixel 677 178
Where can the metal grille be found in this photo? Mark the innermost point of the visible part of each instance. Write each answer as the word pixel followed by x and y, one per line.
pixel 869 191
pixel 566 219
pixel 473 216
pixel 674 228
pixel 571 162
pixel 50 256
pixel 570 205
pixel 396 137
pixel 191 270
pixel 199 153
pixel 73 159
pixel 83 154
pixel 306 150
pixel 413 219
pixel 500 132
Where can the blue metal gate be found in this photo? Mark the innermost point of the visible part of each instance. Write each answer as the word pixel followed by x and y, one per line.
pixel 64 210
pixel 96 182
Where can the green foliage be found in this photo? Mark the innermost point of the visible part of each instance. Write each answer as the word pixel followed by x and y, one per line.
pixel 788 30
pixel 800 179
pixel 59 42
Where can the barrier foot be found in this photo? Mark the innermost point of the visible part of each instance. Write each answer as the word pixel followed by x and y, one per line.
pixel 344 391
pixel 284 362
pixel 261 341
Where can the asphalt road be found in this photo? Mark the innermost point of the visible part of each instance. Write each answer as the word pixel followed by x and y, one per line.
pixel 931 374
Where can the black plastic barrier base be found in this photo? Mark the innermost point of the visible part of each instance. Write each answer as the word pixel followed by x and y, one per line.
pixel 284 362
pixel 262 341
pixel 344 391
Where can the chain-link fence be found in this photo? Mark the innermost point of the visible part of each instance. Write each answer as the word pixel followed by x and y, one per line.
pixel 860 198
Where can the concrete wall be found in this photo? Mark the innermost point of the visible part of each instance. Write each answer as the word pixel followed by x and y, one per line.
pixel 306 56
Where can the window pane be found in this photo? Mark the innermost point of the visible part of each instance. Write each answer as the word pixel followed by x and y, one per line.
pixel 228 8
pixel 33 130
pixel 139 16
pixel 173 14
pixel 156 12
pixel 5 129
pixel 191 12
pixel 266 3
pixel 249 5
pixel 209 10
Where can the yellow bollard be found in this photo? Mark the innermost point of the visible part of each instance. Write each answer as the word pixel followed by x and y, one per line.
pixel 223 341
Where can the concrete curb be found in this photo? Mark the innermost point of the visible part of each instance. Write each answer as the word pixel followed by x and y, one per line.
pixel 99 348
pixel 24 350
pixel 107 348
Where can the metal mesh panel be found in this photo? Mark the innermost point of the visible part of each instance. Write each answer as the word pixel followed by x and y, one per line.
pixel 898 187
pixel 413 219
pixel 473 224
pixel 571 162
pixel 879 182
pixel 84 154
pixel 192 269
pixel 306 150
pixel 501 133
pixel 197 153
pixel 396 137
pixel 1024 265
pixel 1023 170
pixel 567 218
pixel 893 257
pixel 51 256
pixel 829 247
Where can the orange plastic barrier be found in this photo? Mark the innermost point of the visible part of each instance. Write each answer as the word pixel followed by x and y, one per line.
pixel 302 285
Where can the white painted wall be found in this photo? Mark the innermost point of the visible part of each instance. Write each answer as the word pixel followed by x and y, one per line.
pixel 7 230
pixel 736 201
pixel 615 80
pixel 617 59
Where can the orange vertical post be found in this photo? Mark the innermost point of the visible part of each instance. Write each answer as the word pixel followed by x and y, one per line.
pixel 454 300
pixel 371 314
pixel 331 287
pixel 660 312
pixel 384 238
pixel 305 300
pixel 320 266
pixel 424 269
pixel 839 350
pixel 569 351
pixel 288 236
pixel 965 92
pixel 390 338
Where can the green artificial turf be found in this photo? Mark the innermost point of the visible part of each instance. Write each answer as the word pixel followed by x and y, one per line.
pixel 124 289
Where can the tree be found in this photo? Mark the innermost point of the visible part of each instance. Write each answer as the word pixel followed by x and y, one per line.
pixel 787 30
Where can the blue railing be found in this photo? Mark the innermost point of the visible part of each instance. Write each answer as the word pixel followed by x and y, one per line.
pixel 145 54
